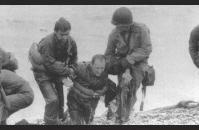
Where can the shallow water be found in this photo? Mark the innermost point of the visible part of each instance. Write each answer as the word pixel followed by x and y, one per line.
pixel 176 76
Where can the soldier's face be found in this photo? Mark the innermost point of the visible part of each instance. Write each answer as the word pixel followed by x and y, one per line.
pixel 62 36
pixel 123 28
pixel 98 67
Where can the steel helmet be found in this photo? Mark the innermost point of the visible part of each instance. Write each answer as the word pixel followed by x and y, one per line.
pixel 122 16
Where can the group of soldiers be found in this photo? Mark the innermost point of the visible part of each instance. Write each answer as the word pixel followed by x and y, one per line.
pixel 55 58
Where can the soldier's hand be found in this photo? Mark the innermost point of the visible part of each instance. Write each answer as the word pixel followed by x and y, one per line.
pixel 71 73
pixel 127 76
pixel 96 95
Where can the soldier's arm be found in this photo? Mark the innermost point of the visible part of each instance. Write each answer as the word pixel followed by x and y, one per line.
pixel 109 83
pixel 50 62
pixel 193 47
pixel 144 50
pixel 111 60
pixel 110 50
pixel 102 91
pixel 83 89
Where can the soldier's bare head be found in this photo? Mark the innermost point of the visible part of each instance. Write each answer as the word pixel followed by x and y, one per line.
pixel 98 64
pixel 62 29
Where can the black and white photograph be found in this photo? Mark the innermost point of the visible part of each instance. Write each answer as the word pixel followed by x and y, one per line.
pixel 99 65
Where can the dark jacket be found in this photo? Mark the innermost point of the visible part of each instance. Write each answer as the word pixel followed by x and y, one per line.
pixel 194 45
pixel 139 47
pixel 12 83
pixel 87 82
pixel 57 55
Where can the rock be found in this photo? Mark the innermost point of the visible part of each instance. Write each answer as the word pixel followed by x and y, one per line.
pixel 184 113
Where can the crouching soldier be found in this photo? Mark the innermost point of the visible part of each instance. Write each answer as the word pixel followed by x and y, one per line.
pixel 51 60
pixel 90 82
pixel 128 49
pixel 15 94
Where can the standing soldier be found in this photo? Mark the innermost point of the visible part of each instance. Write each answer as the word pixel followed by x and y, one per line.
pixel 128 49
pixel 194 46
pixel 90 82
pixel 51 60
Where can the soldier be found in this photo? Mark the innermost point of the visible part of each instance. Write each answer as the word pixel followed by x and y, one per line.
pixel 51 60
pixel 90 83
pixel 128 49
pixel 15 94
pixel 194 46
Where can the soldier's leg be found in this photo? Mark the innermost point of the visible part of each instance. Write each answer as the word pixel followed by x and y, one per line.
pixel 123 102
pixel 20 99
pixel 110 99
pixel 60 92
pixel 52 103
pixel 138 75
pixel 74 109
pixel 50 96
pixel 94 104
pixel 119 101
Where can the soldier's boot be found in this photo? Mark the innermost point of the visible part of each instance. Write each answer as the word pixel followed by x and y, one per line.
pixel 118 121
pixel 110 113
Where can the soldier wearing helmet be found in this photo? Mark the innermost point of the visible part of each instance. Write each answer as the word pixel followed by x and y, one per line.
pixel 128 48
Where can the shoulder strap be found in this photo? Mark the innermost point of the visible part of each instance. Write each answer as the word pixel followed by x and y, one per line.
pixel 129 36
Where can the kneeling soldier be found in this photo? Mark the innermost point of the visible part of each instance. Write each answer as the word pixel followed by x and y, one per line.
pixel 15 94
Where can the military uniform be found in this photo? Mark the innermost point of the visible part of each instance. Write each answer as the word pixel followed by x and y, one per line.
pixel 194 45
pixel 128 50
pixel 81 103
pixel 18 93
pixel 56 57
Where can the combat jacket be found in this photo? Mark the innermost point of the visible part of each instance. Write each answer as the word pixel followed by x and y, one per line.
pixel 137 50
pixel 86 79
pixel 57 55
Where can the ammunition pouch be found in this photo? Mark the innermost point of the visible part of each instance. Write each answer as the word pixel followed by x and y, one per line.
pixel 149 77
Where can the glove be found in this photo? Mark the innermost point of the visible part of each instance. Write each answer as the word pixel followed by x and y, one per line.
pixel 130 60
pixel 72 74
pixel 96 95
